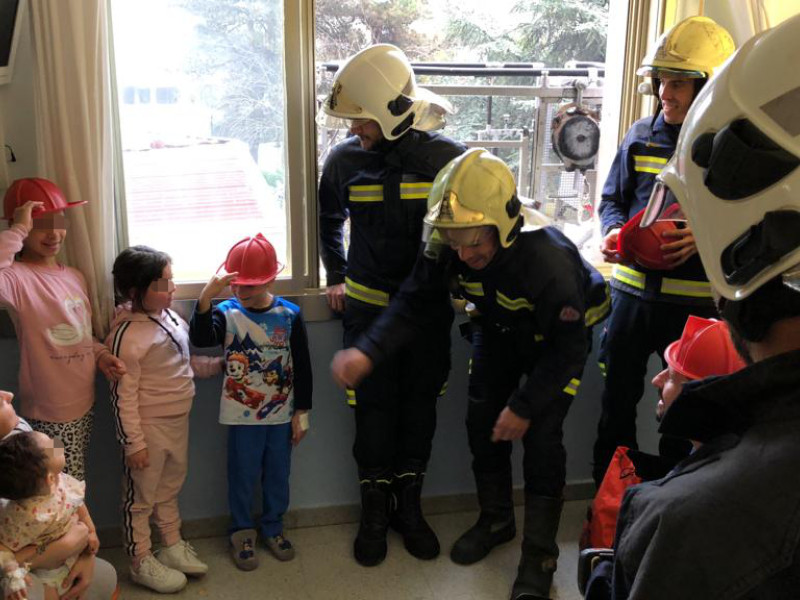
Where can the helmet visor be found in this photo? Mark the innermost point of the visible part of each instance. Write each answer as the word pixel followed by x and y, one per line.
pixel 662 206
pixel 661 72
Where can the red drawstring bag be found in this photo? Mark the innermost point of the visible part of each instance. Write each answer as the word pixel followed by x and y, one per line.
pixel 601 517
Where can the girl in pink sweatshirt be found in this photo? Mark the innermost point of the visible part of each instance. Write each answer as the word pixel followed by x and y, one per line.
pixel 49 305
pixel 151 404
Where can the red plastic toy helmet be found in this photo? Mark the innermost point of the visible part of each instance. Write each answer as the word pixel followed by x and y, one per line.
pixel 643 246
pixel 705 349
pixel 254 259
pixel 37 190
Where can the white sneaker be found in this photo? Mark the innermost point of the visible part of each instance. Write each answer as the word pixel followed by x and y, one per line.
pixel 182 557
pixel 159 578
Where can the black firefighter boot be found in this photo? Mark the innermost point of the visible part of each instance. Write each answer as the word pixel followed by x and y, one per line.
pixel 369 547
pixel 496 522
pixel 539 548
pixel 407 519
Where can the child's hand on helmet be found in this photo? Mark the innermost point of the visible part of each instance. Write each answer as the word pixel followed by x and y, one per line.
pixel 213 289
pixel 23 214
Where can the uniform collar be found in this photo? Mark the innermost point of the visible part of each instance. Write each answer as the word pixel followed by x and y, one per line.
pixel 659 125
pixel 764 391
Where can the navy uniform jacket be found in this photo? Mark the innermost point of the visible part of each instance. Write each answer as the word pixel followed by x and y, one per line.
pixel 647 147
pixel 384 192
pixel 539 292
pixel 725 523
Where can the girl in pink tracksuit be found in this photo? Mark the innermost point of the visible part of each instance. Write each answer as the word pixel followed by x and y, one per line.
pixel 151 404
pixel 49 305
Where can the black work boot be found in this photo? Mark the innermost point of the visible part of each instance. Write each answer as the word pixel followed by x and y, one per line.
pixel 407 519
pixel 369 547
pixel 539 548
pixel 496 522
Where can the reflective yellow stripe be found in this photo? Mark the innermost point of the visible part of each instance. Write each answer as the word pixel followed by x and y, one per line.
pixel 415 190
pixel 538 337
pixel 628 276
pixel 351 397
pixel 366 193
pixel 572 386
pixel 648 164
pixel 598 313
pixel 685 287
pixel 443 390
pixel 675 287
pixel 365 294
pixel 513 304
pixel 473 288
pixel 602 366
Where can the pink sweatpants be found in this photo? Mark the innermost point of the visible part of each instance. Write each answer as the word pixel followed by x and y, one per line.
pixel 153 491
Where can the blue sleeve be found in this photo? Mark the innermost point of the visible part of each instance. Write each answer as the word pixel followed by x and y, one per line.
pixel 422 303
pixel 332 215
pixel 207 329
pixel 301 361
pixel 618 190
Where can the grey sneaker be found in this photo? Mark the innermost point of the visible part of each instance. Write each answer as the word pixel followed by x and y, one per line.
pixel 280 547
pixel 243 549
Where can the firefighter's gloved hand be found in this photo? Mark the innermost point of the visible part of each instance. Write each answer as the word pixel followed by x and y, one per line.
pixel 509 426
pixel 349 367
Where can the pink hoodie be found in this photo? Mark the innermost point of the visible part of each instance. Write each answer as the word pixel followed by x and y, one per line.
pixel 159 379
pixel 53 320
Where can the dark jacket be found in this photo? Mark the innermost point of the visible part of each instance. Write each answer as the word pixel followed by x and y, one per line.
pixel 725 524
pixel 384 192
pixel 539 291
pixel 647 147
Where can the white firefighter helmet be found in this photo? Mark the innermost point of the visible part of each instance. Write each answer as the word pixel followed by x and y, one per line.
pixel 735 169
pixel 475 190
pixel 378 83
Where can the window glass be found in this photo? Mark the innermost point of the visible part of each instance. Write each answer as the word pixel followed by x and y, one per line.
pixel 201 107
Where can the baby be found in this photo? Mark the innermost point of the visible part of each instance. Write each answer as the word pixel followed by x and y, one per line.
pixel 38 504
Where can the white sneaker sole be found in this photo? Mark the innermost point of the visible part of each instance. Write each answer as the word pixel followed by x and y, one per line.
pixel 157 586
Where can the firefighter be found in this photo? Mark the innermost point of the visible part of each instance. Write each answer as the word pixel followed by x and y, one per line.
pixel 651 305
pixel 724 523
pixel 379 178
pixel 533 301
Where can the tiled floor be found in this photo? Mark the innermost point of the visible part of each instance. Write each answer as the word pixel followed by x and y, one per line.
pixel 325 569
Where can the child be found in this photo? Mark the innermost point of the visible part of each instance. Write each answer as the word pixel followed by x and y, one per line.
pixel 50 308
pixel 38 506
pixel 151 405
pixel 267 390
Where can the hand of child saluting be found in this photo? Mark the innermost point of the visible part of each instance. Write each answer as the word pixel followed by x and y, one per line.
pixel 23 215
pixel 213 289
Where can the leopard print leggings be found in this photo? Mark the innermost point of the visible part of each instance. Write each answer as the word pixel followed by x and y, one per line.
pixel 75 436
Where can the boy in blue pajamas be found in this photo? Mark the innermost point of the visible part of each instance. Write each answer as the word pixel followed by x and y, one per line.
pixel 266 392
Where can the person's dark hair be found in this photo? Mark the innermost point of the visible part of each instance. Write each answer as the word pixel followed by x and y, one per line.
pixel 24 466
pixel 134 270
pixel 751 319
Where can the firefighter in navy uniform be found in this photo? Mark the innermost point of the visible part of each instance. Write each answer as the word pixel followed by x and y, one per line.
pixel 380 178
pixel 535 300
pixel 650 306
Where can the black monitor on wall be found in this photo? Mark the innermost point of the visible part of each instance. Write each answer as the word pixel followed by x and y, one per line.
pixel 10 29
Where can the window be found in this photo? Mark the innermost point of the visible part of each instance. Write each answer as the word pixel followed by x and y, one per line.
pixel 488 60
pixel 212 151
pixel 202 130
